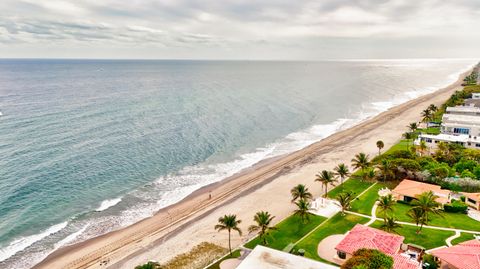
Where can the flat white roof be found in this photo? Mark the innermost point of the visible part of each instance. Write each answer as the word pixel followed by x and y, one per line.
pixel 452 138
pixel 470 120
pixel 463 109
pixel 266 258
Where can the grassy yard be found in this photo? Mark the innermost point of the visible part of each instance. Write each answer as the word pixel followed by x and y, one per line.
pixel 430 130
pixel 354 185
pixel 449 220
pixel 364 203
pixel 402 145
pixel 235 254
pixel 290 230
pixel 338 224
pixel 463 237
pixel 428 238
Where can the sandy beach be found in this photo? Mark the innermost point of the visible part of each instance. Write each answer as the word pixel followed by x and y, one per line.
pixel 266 186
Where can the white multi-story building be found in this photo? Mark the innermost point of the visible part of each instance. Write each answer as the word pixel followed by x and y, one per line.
pixel 460 125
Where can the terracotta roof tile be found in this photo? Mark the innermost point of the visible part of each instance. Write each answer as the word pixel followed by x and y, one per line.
pixel 465 255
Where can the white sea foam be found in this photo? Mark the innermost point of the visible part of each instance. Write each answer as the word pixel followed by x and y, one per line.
pixel 106 204
pixel 70 238
pixel 172 188
pixel 24 242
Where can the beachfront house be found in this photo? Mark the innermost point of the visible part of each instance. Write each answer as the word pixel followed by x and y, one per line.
pixel 472 199
pixel 361 236
pixel 408 190
pixel 460 125
pixel 465 255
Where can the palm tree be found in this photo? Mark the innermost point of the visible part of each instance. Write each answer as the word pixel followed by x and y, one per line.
pixel 300 192
pixel 345 199
pixel 229 223
pixel 423 147
pixel 386 168
pixel 412 127
pixel 433 108
pixel 417 217
pixel 390 225
pixel 263 220
pixel 380 146
pixel 302 210
pixel 370 174
pixel 361 162
pixel 427 115
pixel 386 204
pixel 426 202
pixel 325 177
pixel 408 136
pixel 341 170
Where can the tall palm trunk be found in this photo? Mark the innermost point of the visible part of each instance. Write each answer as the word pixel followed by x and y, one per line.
pixel 229 243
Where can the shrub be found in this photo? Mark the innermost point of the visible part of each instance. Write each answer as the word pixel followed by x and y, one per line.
pixel 467 174
pixel 149 265
pixel 455 207
pixel 368 258
pixel 430 260
pixel 465 164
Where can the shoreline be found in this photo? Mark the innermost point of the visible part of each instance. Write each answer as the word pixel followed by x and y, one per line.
pixel 127 245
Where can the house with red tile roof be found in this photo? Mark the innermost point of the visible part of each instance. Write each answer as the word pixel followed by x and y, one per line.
pixel 391 244
pixel 465 255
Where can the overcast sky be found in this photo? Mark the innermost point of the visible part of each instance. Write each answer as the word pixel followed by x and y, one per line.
pixel 240 29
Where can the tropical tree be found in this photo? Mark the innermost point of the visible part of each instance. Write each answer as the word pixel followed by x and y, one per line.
pixel 386 204
pixel 380 146
pixel 433 108
pixel 368 258
pixel 229 223
pixel 390 225
pixel 386 168
pixel 408 136
pixel 427 204
pixel 325 177
pixel 361 161
pixel 342 171
pixel 412 127
pixel 423 147
pixel 300 192
pixel 370 174
pixel 263 220
pixel 302 210
pixel 345 199
pixel 427 115
pixel 417 217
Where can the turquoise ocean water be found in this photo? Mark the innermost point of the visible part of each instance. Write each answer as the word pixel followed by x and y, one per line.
pixel 88 146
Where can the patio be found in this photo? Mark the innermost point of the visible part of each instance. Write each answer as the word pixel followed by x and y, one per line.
pixel 326 250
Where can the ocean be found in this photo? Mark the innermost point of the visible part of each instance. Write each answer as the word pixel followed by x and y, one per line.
pixel 89 146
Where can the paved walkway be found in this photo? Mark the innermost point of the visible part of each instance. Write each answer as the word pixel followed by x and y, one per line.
pixel 230 264
pixel 413 224
pixel 326 247
pixel 449 240
pixel 373 217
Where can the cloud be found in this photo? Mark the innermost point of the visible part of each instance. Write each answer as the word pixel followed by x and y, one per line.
pixel 233 25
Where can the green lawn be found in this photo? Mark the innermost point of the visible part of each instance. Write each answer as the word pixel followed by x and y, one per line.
pixel 338 224
pixel 354 185
pixel 431 130
pixel 402 145
pixel 449 220
pixel 235 254
pixel 463 237
pixel 428 238
pixel 290 230
pixel 364 203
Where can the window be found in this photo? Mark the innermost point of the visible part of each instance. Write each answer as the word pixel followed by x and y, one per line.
pixel 428 140
pixel 461 130
pixel 470 200
pixel 342 255
pixel 477 145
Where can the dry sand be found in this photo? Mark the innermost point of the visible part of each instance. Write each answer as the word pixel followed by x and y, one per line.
pixel 266 186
